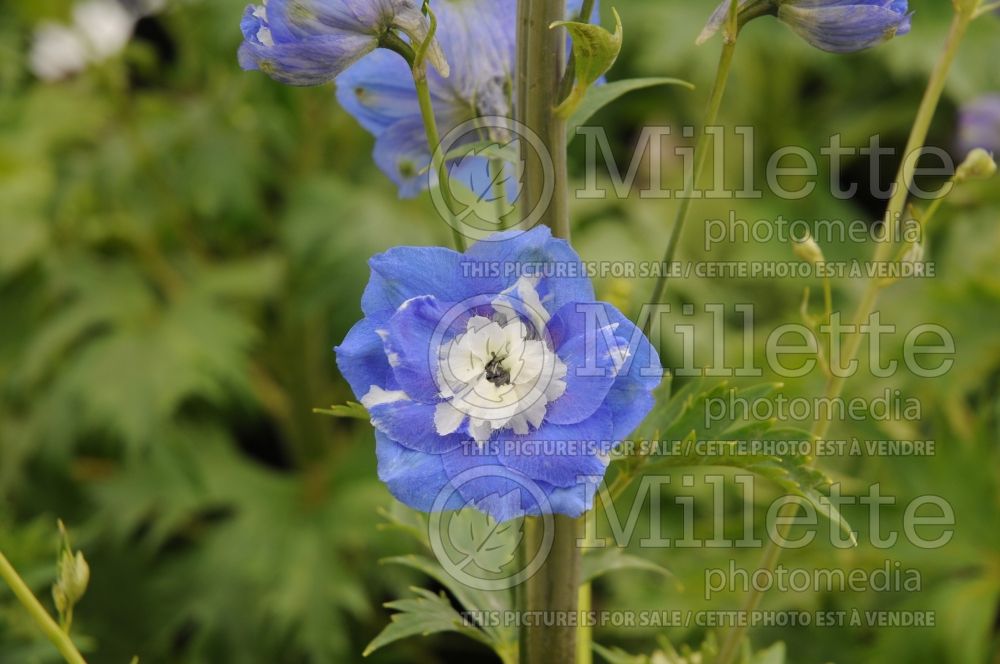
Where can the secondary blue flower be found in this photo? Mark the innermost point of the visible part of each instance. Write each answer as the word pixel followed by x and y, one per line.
pixel 310 42
pixel 498 358
pixel 478 38
pixel 979 125
pixel 838 26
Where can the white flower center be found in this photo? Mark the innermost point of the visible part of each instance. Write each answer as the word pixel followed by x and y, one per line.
pixel 498 373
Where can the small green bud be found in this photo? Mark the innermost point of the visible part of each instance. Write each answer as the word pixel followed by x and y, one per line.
pixel 74 576
pixel 807 250
pixel 979 165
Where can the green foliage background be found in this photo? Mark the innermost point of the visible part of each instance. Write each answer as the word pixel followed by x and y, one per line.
pixel 182 244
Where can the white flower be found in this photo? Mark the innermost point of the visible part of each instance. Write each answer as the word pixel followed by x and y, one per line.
pixel 100 29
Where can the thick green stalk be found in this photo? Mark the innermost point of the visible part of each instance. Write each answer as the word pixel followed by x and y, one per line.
pixel 45 622
pixel 552 592
pixel 701 160
pixel 548 600
pixel 883 253
pixel 541 55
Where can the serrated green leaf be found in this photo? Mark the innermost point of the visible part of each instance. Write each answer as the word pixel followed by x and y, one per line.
pixel 425 614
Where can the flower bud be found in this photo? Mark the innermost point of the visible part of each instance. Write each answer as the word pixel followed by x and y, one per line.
pixel 74 577
pixel 837 26
pixel 807 250
pixel 979 165
pixel 979 124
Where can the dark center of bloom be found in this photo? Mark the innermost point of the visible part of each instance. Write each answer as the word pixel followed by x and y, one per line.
pixel 496 372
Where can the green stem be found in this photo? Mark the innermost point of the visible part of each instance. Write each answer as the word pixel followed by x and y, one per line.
pixel 553 590
pixel 438 163
pixel 835 383
pixel 701 160
pixel 53 633
pixel 585 633
pixel 541 53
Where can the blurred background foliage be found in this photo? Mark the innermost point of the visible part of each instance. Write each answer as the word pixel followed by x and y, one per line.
pixel 182 244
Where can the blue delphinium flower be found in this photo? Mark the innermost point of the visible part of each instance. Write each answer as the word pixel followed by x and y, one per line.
pixel 979 124
pixel 310 42
pixel 838 26
pixel 478 38
pixel 496 359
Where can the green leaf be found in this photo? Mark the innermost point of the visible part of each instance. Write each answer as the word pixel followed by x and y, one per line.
pixel 612 560
pixel 594 52
pixel 683 418
pixel 599 96
pixel 349 410
pixel 773 655
pixel 485 543
pixel 619 656
pixel 425 614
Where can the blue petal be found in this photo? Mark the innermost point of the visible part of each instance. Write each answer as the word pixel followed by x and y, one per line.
pixel 378 91
pixel 980 125
pixel 414 478
pixel 415 333
pixel 631 397
pixel 362 361
pixel 411 424
pixel 556 454
pixel 484 482
pixel 312 61
pixel 590 374
pixel 564 277
pixel 844 28
pixel 572 501
pixel 401 153
pixel 403 273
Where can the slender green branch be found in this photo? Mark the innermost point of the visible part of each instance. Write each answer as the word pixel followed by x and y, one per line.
pixel 45 622
pixel 701 159
pixel 884 252
pixel 438 163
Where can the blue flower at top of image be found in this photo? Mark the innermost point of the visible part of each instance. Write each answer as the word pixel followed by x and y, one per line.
pixel 310 42
pixel 499 363
pixel 478 38
pixel 979 124
pixel 837 26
